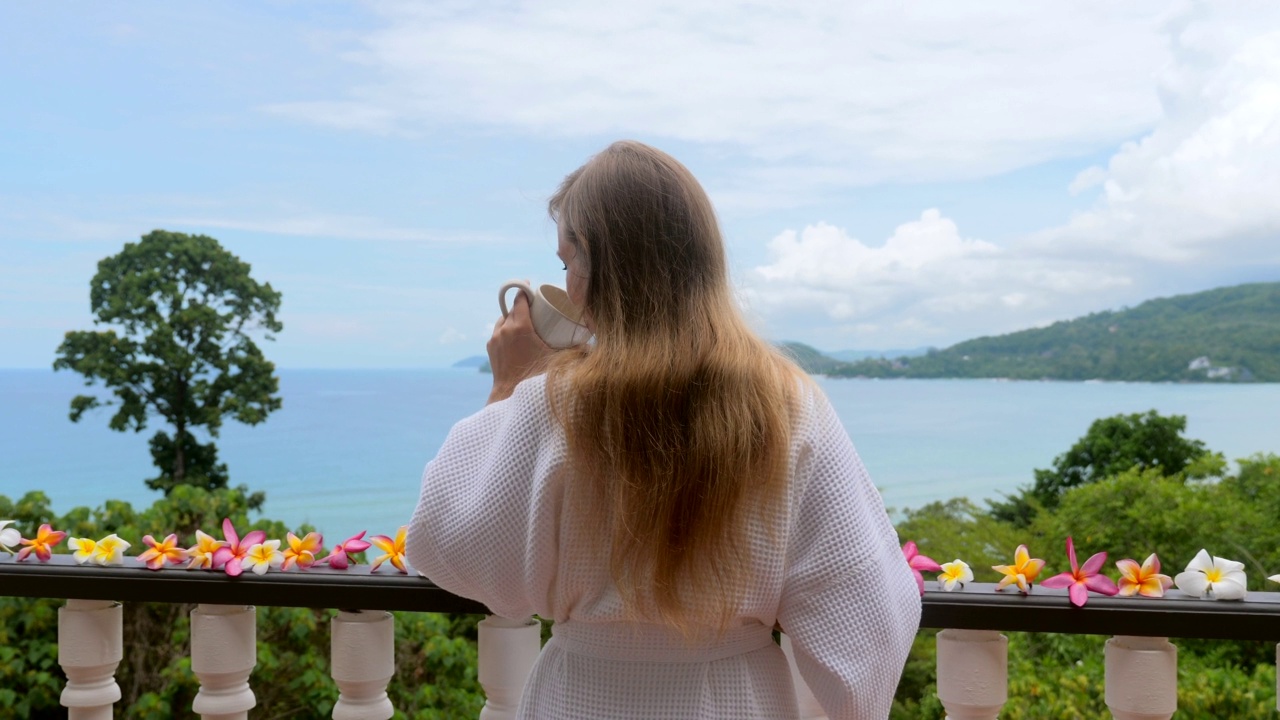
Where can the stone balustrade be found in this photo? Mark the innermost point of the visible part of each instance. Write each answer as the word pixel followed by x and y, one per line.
pixel 1141 665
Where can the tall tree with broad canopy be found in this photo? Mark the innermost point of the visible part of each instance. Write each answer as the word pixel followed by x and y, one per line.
pixel 180 309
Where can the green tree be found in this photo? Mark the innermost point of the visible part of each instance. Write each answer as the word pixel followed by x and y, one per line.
pixel 1146 441
pixel 179 309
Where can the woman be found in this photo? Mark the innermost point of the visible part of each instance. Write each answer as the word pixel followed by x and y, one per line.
pixel 669 492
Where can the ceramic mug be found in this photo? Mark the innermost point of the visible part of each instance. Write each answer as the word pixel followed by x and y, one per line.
pixel 556 320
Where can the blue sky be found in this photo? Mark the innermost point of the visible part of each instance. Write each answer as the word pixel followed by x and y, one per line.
pixel 887 175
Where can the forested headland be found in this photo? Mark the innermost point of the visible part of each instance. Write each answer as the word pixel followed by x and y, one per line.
pixel 1228 334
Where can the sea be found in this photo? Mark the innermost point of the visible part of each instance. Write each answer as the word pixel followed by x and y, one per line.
pixel 346 451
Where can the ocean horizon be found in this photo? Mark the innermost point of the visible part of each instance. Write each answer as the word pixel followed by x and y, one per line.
pixel 346 451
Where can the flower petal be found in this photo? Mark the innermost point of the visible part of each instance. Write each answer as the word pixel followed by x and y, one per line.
pixel 1152 587
pixel 1229 589
pixel 1202 562
pixel 1129 570
pixel 1057 582
pixel 229 532
pixel 1021 556
pixel 1101 584
pixel 1228 566
pixel 256 537
pixel 1192 582
pixel 1071 553
pixel 1094 564
pixel 1078 594
pixel 1151 564
pixel 909 550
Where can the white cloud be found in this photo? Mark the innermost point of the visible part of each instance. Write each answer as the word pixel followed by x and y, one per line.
pixel 926 284
pixel 451 336
pixel 1190 204
pixel 859 92
pixel 1203 185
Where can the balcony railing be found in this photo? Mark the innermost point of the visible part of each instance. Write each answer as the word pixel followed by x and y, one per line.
pixel 1141 665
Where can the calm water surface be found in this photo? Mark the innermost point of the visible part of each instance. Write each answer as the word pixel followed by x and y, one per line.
pixel 346 451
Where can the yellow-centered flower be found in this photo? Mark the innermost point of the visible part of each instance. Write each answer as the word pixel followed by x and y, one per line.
pixel 1023 572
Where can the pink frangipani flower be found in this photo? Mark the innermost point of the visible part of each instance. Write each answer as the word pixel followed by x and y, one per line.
pixel 1082 579
pixel 918 563
pixel 337 557
pixel 230 556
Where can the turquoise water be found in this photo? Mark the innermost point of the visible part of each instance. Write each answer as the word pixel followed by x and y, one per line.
pixel 346 451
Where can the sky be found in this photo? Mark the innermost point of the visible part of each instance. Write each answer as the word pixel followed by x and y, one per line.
pixel 888 175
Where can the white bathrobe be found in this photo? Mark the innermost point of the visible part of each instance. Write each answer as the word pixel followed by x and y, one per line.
pixel 491 525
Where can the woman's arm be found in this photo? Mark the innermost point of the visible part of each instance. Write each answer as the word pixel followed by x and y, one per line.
pixel 849 604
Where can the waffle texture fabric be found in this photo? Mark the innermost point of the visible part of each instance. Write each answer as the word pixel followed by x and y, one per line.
pixel 491 524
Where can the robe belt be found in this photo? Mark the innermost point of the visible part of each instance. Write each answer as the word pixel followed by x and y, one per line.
pixel 651 643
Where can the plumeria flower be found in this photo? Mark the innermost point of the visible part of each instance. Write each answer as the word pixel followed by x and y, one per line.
pixel 82 549
pixel 263 556
pixel 394 549
pixel 955 574
pixel 337 557
pixel 110 550
pixel 1023 572
pixel 202 552
pixel 230 556
pixel 1144 580
pixel 1084 578
pixel 302 552
pixel 42 544
pixel 158 553
pixel 107 551
pixel 8 536
pixel 1212 578
pixel 918 562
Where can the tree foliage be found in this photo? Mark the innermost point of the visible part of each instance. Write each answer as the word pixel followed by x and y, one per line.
pixel 1112 446
pixel 178 311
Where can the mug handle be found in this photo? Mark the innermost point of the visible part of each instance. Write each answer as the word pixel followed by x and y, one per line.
pixel 502 294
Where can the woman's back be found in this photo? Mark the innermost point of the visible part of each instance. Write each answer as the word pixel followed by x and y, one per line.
pixel 670 492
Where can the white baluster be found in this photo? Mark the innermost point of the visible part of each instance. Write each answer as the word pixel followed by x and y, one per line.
pixel 507 648
pixel 223 652
pixel 1142 678
pixel 90 647
pixel 973 673
pixel 808 704
pixel 363 648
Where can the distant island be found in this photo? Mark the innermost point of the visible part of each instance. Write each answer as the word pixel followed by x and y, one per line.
pixel 474 361
pixel 1228 334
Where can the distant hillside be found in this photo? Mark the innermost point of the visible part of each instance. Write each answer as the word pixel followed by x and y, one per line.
pixel 474 361
pixel 1224 335
pixel 854 355
pixel 810 359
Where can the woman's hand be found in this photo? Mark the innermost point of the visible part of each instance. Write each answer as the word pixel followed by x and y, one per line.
pixel 515 350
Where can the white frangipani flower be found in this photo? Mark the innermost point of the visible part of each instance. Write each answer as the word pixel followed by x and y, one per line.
pixel 8 536
pixel 955 574
pixel 1212 578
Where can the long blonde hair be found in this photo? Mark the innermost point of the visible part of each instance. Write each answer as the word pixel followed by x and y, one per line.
pixel 678 419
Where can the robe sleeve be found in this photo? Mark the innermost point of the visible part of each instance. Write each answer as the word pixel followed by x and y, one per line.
pixel 849 601
pixel 484 527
